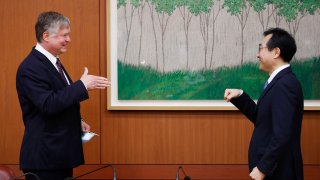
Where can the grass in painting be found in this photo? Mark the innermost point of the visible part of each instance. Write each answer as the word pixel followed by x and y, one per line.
pixel 145 83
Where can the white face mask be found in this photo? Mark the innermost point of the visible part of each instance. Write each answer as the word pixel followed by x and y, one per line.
pixel 87 136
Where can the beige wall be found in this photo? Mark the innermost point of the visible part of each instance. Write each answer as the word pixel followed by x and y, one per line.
pixel 138 138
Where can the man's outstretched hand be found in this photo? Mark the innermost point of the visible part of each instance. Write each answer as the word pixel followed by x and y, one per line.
pixel 94 82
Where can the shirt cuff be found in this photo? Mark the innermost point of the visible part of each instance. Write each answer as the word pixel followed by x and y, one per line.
pixel 241 92
pixel 84 85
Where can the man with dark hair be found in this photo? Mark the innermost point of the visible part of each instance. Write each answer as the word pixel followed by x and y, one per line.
pixel 50 103
pixel 274 150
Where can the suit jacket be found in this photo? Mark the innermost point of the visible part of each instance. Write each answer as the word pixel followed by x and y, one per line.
pixel 275 143
pixel 51 115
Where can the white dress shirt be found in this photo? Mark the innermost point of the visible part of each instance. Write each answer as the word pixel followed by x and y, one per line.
pixel 275 72
pixel 51 58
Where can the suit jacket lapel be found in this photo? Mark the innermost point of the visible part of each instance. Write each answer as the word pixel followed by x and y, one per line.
pixel 49 65
pixel 274 81
pixel 69 79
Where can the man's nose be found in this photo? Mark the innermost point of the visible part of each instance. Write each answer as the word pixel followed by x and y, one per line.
pixel 68 39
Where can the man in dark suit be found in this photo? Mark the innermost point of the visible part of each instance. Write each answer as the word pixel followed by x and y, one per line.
pixel 50 103
pixel 274 150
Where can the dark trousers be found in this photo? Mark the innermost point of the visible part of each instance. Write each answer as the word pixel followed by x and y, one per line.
pixel 56 174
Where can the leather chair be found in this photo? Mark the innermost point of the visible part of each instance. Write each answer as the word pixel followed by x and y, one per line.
pixel 6 173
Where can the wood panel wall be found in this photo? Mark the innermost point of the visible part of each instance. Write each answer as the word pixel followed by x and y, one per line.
pixel 142 144
pixel 17 34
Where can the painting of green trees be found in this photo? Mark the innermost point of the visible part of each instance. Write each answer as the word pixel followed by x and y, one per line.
pixel 195 49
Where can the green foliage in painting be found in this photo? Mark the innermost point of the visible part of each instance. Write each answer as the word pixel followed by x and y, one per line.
pixel 308 73
pixel 234 7
pixel 287 9
pixel 290 9
pixel 164 6
pixel 309 6
pixel 201 6
pixel 259 5
pixel 121 3
pixel 136 3
pixel 145 83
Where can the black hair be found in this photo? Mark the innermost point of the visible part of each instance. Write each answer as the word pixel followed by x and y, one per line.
pixel 283 40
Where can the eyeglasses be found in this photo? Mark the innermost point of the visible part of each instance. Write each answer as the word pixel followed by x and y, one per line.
pixel 261 47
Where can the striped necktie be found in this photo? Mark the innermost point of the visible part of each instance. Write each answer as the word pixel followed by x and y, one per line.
pixel 59 65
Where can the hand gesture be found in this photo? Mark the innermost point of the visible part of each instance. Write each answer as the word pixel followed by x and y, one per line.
pixel 94 82
pixel 231 93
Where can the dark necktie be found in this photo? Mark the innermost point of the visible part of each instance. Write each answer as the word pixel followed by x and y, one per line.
pixel 59 65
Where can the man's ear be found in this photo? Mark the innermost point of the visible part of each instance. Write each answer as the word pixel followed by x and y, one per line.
pixel 45 36
pixel 276 52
